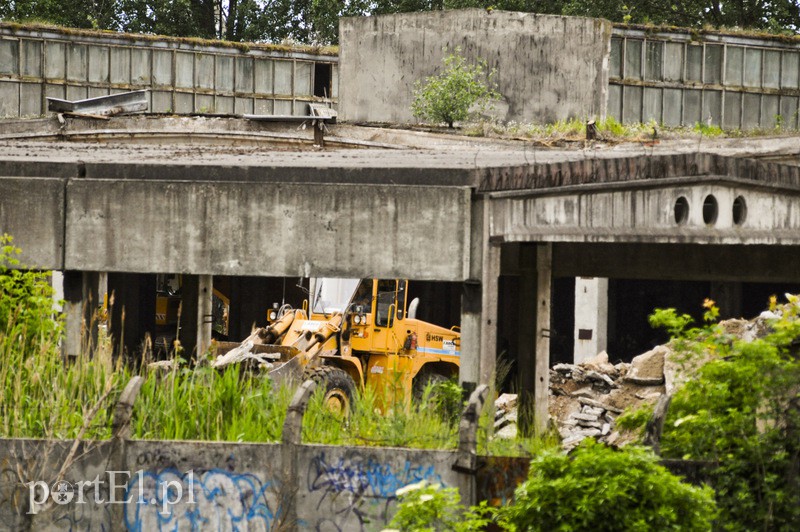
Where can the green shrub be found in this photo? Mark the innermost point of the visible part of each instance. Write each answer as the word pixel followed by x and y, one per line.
pixel 450 96
pixel 741 413
pixel 425 507
pixel 26 298
pixel 599 488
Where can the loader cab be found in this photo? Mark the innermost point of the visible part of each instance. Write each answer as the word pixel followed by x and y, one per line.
pixel 377 305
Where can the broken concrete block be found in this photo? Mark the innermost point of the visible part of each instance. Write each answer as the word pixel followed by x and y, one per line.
pixel 648 368
pixel 584 417
pixel 593 411
pixel 601 378
pixel 587 401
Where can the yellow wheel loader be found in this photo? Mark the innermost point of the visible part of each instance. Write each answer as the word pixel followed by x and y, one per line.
pixel 374 340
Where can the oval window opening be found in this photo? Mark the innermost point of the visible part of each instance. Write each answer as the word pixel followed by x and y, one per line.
pixel 710 210
pixel 681 210
pixel 739 210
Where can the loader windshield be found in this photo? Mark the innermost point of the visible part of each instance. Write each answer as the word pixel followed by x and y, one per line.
pixel 333 295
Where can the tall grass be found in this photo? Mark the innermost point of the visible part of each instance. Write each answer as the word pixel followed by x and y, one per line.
pixel 397 426
pixel 46 395
pixel 204 404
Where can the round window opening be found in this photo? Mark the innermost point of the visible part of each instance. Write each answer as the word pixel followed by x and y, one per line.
pixel 681 210
pixel 739 210
pixel 710 210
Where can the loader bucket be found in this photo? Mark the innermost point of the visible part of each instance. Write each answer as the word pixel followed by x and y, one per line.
pixel 289 373
pixel 283 363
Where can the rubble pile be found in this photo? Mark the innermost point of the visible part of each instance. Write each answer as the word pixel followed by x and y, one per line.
pixel 587 398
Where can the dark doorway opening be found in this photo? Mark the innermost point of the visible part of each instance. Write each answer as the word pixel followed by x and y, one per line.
pixel 323 74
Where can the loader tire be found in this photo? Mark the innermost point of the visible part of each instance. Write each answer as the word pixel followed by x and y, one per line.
pixel 423 380
pixel 337 385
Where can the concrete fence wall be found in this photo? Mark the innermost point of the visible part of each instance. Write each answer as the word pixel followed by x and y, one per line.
pixel 121 484
pixel 680 78
pixel 184 76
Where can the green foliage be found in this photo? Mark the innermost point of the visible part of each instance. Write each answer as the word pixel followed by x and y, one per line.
pixel 452 96
pixel 708 130
pixel 741 412
pixel 41 395
pixel 447 400
pixel 205 404
pixel 26 298
pixel 395 425
pixel 635 420
pixel 599 488
pixel 425 507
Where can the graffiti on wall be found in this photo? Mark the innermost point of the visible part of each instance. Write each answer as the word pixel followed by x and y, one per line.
pixel 198 500
pixel 358 490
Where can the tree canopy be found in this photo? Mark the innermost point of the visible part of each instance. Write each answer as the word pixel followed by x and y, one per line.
pixel 316 21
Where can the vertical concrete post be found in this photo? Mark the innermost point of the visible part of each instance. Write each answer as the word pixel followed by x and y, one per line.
pixel 205 316
pixel 591 317
pixel 291 438
pixel 80 302
pixel 467 461
pixel 491 275
pixel 544 271
pixel 472 299
pixel 526 335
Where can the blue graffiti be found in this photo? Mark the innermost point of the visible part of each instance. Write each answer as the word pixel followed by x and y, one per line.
pixel 215 499
pixel 366 477
pixel 359 490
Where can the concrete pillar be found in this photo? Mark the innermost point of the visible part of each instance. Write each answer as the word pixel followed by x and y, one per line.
pixel 57 282
pixel 472 296
pixel 205 317
pixel 591 317
pixel 544 273
pixel 526 335
pixel 81 300
pixel 470 334
pixel 489 291
pixel 189 330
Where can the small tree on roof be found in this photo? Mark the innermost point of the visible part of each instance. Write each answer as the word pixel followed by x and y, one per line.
pixel 451 96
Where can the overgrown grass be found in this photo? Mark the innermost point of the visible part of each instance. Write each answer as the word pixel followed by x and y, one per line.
pixel 45 395
pixel 611 130
pixel 396 426
pixel 204 404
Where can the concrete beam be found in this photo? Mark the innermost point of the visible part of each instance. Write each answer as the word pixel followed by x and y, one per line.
pixel 278 230
pixel 32 211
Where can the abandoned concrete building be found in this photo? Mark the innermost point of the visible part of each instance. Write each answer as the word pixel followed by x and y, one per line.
pixel 540 255
pixel 236 191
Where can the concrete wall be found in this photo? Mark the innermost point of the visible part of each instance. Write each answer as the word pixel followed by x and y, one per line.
pixel 32 211
pixel 276 230
pixel 548 67
pixel 176 485
pixel 239 228
pixel 184 75
pixel 232 486
pixel 680 78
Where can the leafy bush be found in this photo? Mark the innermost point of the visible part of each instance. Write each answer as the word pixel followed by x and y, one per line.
pixel 26 297
pixel 741 412
pixel 599 488
pixel 449 96
pixel 425 507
